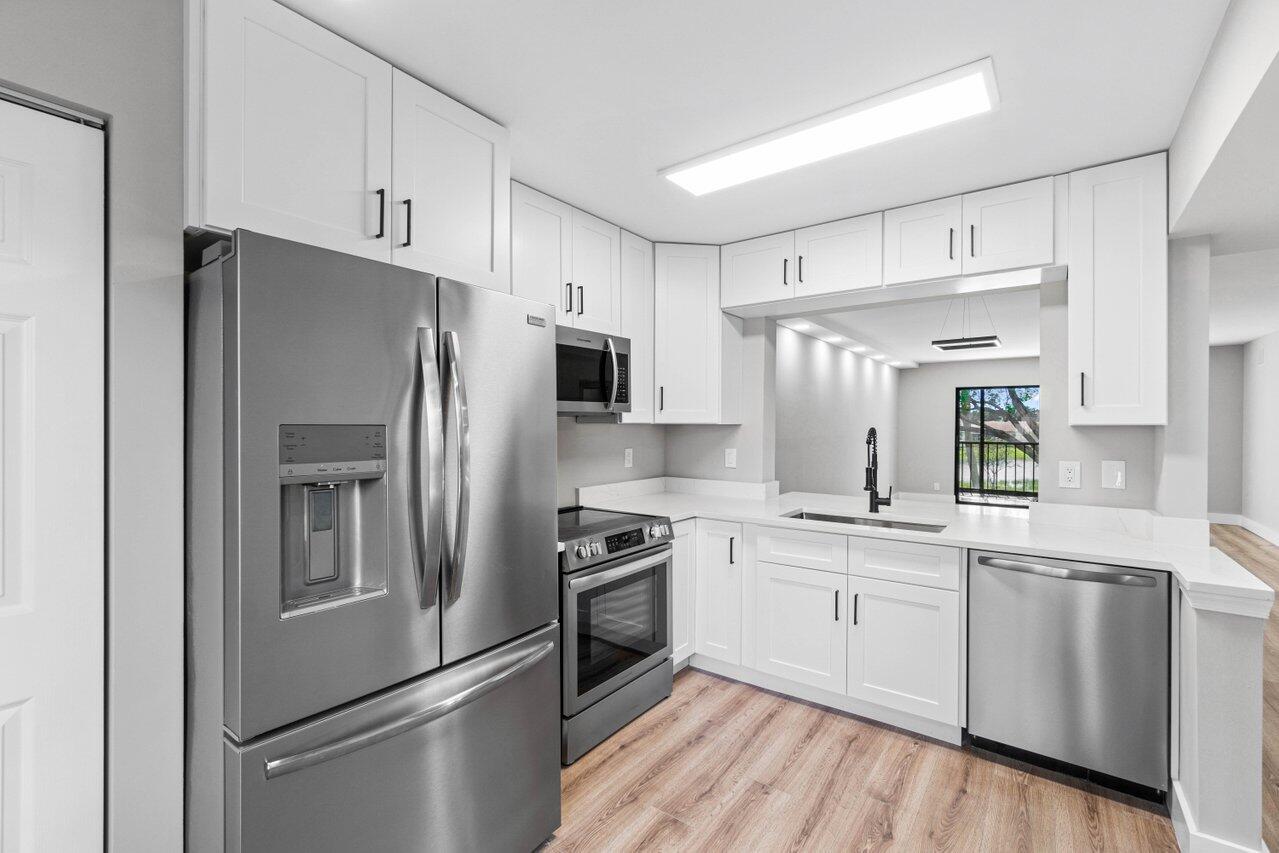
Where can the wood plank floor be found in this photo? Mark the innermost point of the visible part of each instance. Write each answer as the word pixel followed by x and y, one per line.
pixel 725 766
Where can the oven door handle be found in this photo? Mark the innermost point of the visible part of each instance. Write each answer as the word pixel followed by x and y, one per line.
pixel 609 575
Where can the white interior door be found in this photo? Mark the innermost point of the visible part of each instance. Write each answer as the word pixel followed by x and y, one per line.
pixel 452 188
pixel 51 482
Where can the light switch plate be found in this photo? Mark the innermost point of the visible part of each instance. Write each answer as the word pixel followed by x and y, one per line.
pixel 628 457
pixel 1067 475
pixel 1114 474
pixel 730 457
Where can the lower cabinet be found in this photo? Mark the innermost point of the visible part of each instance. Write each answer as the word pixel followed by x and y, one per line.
pixel 718 581
pixel 683 603
pixel 903 648
pixel 801 618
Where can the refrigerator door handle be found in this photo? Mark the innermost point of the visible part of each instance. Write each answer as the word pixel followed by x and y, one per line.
pixel 612 396
pixel 430 480
pixel 457 560
pixel 276 767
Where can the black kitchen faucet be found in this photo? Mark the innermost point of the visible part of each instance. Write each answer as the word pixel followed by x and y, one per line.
pixel 872 473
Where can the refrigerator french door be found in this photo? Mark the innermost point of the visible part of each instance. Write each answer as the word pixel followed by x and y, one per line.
pixel 371 509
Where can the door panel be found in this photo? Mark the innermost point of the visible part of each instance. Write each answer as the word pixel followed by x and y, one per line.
pixel 297 130
pixel 688 330
pixel 52 596
pixel 800 625
pixel 542 250
pixel 596 275
pixel 508 581
pixel 319 337
pixel 452 181
pixel 840 256
pixel 759 270
pixel 407 774
pixel 719 590
pixel 1009 227
pixel 922 241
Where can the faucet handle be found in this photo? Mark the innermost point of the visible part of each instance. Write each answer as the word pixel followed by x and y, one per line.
pixel 888 501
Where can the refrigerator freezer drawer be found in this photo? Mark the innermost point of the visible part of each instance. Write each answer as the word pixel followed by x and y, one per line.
pixel 464 759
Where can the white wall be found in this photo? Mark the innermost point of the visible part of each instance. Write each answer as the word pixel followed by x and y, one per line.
pixel 123 60
pixel 926 415
pixel 827 398
pixel 591 454
pixel 1225 429
pixel 1260 416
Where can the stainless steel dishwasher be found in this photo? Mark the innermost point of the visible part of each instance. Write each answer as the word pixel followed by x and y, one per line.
pixel 1069 661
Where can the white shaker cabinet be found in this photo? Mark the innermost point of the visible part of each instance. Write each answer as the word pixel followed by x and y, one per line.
pixel 683 594
pixel 1008 227
pixel 293 131
pixel 758 270
pixel 801 618
pixel 596 274
pixel 542 249
pixel 903 648
pixel 923 241
pixel 840 256
pixel 697 348
pixel 1117 294
pixel 450 203
pixel 718 632
pixel 637 324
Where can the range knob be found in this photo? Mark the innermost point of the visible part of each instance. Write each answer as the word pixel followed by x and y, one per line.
pixel 654 531
pixel 596 549
pixel 583 552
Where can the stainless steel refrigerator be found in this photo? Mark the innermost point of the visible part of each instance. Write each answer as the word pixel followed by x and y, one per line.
pixel 372 646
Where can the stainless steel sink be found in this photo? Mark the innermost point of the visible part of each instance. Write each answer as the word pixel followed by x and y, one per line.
pixel 866 522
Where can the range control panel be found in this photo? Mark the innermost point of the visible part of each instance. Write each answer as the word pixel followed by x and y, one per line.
pixel 311 453
pixel 590 550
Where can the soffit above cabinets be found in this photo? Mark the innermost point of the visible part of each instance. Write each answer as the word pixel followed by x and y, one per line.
pixel 600 96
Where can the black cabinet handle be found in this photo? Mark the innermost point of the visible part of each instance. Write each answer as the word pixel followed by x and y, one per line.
pixel 972 241
pixel 408 224
pixel 855 608
pixel 731 539
pixel 381 215
pixel 785 264
pixel 661 398
pixel 801 269
pixel 581 300
pixel 1081 388
pixel 836 605
pixel 950 245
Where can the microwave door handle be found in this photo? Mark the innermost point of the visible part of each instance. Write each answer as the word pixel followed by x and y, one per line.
pixel 457 561
pixel 612 396
pixel 428 515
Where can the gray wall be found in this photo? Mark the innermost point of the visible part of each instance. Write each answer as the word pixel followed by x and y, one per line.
pixel 591 454
pixel 1260 415
pixel 1087 445
pixel 1225 429
pixel 827 398
pixel 124 60
pixel 926 415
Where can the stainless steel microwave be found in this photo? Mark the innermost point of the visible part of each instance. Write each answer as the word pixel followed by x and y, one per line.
pixel 592 372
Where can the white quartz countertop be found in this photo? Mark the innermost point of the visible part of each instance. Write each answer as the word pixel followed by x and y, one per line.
pixel 1205 573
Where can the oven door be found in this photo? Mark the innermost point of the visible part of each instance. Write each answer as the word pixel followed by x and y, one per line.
pixel 592 372
pixel 617 626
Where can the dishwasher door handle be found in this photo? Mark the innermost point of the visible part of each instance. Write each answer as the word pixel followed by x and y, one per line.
pixel 1066 574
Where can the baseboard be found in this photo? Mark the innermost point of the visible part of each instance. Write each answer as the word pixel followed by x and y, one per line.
pixel 1190 839
pixel 1225 518
pixel 1268 533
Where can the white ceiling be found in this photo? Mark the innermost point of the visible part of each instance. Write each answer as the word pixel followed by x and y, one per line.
pixel 906 330
pixel 600 95
pixel 1243 296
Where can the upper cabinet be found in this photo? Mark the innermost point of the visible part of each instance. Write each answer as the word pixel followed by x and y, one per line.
pixel 840 256
pixel 290 134
pixel 922 241
pixel 758 270
pixel 1117 293
pixel 637 324
pixel 1008 227
pixel 566 257
pixel 451 184
pixel 697 348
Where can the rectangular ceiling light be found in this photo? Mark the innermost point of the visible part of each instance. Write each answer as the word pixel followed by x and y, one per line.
pixel 947 97
pixel 974 342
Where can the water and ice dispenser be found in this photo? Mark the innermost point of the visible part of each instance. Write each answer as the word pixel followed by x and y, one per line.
pixel 332 515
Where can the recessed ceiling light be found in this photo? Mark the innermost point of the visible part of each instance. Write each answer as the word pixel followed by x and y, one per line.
pixel 897 363
pixel 832 339
pixel 859 348
pixel 960 93
pixel 799 326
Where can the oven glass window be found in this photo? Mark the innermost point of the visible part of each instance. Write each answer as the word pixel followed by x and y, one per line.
pixel 619 624
pixel 582 374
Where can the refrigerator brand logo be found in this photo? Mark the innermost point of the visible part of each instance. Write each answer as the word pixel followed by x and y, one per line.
pixel 534 320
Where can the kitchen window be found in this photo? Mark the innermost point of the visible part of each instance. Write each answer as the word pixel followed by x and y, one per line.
pixel 997 445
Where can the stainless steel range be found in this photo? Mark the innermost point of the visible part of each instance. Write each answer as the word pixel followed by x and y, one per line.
pixel 615 606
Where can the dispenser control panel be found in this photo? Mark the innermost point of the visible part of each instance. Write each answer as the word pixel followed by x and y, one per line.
pixel 312 453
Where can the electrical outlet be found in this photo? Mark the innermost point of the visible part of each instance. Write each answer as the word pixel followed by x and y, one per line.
pixel 730 457
pixel 1114 474
pixel 936 486
pixel 1067 475
pixel 628 457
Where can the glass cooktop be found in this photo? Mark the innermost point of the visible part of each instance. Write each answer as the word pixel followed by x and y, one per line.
pixel 577 521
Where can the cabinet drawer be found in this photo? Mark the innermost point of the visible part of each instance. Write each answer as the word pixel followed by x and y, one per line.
pixel 802 548
pixel 904 562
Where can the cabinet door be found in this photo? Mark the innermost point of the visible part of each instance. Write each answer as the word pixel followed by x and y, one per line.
pixel 637 324
pixel 718 632
pixel 840 256
pixel 451 182
pixel 684 603
pixel 759 270
pixel 922 241
pixel 1009 227
pixel 687 333
pixel 1117 293
pixel 801 628
pixel 542 249
pixel 903 648
pixel 297 130
pixel 596 274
